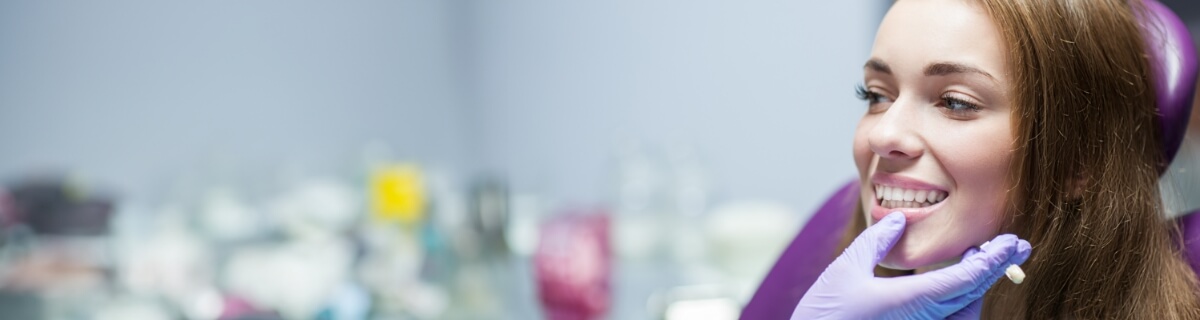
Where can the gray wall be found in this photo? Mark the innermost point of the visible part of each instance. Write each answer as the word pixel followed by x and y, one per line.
pixel 762 90
pixel 131 93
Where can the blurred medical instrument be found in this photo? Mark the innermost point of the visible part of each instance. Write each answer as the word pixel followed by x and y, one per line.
pixel 573 264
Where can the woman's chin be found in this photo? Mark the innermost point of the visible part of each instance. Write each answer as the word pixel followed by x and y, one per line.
pixel 902 257
pixel 899 263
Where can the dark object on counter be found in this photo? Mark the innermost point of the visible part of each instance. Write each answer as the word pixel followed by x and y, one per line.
pixel 573 266
pixel 8 210
pixel 56 207
pixel 489 213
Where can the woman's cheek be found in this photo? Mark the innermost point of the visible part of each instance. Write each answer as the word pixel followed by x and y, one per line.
pixel 980 171
pixel 862 148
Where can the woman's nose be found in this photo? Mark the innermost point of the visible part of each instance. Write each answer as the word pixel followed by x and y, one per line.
pixel 895 134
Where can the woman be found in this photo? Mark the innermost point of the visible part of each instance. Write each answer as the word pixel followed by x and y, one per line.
pixel 1026 117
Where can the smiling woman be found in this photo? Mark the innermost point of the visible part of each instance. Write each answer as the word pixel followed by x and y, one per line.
pixel 1034 118
pixel 938 121
pixel 991 121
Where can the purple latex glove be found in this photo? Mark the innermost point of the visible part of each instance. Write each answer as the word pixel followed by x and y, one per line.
pixel 848 289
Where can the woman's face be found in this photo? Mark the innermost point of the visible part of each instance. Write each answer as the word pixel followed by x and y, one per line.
pixel 936 140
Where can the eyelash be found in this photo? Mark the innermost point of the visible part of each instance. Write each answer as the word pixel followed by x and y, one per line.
pixel 867 95
pixel 954 105
pixel 964 106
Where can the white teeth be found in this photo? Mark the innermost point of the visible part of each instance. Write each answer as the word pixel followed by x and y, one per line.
pixel 893 197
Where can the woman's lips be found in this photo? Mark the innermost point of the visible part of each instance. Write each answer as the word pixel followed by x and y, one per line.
pixel 910 214
pixel 914 198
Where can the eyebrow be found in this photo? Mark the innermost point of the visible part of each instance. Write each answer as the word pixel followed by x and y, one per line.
pixel 948 68
pixel 878 66
pixel 933 69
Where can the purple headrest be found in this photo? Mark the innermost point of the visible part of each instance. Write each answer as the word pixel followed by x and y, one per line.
pixel 1173 61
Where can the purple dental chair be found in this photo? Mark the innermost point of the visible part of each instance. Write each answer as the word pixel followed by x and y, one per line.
pixel 1173 59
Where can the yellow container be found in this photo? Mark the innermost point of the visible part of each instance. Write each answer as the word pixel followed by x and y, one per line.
pixel 397 194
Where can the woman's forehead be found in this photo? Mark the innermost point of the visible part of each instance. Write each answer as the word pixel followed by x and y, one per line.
pixel 917 33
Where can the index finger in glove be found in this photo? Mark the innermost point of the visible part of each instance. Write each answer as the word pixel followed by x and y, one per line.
pixel 1022 254
pixel 873 244
pixel 981 269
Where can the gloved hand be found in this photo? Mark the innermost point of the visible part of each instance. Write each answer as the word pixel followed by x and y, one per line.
pixel 848 289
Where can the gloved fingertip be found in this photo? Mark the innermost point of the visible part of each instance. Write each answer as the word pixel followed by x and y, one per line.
pixel 874 243
pixel 1000 251
pixel 894 218
pixel 1024 249
pixel 970 252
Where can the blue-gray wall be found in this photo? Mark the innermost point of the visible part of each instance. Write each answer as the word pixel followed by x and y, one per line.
pixel 761 90
pixel 130 93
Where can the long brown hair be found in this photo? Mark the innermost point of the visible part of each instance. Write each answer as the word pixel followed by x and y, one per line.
pixel 1084 173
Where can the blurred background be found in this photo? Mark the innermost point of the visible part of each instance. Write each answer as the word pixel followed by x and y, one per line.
pixel 421 159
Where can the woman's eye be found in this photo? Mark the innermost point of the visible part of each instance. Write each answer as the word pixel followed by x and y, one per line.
pixel 869 96
pixel 957 106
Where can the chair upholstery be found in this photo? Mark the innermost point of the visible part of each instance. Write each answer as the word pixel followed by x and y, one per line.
pixel 805 258
pixel 1173 60
pixel 1189 227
